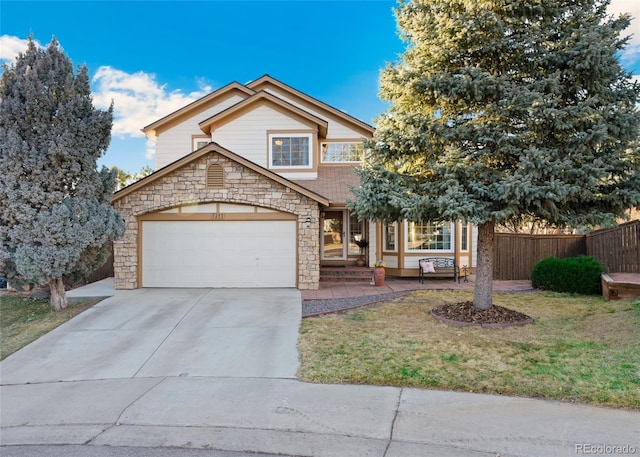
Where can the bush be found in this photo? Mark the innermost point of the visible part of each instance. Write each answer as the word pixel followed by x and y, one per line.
pixel 578 275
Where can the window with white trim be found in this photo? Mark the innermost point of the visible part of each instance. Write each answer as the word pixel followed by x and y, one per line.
pixel 290 150
pixel 389 237
pixel 341 152
pixel 430 236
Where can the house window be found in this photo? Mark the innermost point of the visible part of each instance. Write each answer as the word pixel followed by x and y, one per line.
pixel 290 150
pixel 464 237
pixel 200 142
pixel 341 152
pixel 429 236
pixel 390 236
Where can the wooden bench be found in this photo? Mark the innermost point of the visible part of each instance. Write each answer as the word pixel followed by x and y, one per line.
pixel 442 266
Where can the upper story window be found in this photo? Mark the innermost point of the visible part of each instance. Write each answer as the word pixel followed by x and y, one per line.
pixel 341 152
pixel 290 150
pixel 430 236
pixel 200 142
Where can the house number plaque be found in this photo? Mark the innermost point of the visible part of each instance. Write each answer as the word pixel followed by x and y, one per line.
pixel 217 216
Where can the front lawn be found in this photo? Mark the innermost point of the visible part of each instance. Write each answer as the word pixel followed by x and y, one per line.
pixel 24 319
pixel 579 348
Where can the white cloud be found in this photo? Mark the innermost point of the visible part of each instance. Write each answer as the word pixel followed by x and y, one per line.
pixel 11 46
pixel 632 52
pixel 149 149
pixel 627 6
pixel 138 99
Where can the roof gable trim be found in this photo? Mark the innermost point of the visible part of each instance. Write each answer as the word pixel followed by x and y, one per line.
pixel 223 116
pixel 151 129
pixel 214 147
pixel 266 79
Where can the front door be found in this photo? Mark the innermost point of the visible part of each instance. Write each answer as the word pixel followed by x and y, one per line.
pixel 341 232
pixel 333 228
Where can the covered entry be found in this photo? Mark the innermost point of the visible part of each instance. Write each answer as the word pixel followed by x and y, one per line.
pixel 341 232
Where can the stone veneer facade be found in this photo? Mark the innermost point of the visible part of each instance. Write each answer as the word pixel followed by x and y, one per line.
pixel 242 185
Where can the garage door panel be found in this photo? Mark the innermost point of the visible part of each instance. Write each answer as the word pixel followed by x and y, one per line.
pixel 219 254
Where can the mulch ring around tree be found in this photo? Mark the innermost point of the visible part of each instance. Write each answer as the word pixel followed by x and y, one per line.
pixel 466 314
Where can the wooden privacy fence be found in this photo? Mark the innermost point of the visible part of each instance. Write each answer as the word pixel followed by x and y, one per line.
pixel 105 271
pixel 618 249
pixel 515 254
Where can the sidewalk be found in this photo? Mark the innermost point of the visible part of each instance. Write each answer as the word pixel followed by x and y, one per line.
pixel 288 417
pixel 102 288
pixel 331 289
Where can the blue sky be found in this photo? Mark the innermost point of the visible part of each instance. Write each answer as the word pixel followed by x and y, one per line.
pixel 152 57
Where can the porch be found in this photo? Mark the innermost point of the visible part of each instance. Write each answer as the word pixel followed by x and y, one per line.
pixel 346 289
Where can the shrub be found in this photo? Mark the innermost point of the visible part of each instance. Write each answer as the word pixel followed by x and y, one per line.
pixel 579 275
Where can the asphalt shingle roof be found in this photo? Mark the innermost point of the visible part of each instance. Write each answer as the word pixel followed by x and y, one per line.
pixel 333 183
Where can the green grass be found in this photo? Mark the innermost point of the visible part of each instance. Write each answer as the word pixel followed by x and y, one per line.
pixel 579 348
pixel 23 320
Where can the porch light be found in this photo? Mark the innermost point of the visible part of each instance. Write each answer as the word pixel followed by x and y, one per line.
pixel 307 222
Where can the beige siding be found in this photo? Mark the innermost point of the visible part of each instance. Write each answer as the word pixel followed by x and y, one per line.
pixel 335 129
pixel 247 134
pixel 175 142
pixel 390 261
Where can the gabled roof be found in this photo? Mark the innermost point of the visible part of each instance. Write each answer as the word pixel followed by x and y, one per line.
pixel 263 97
pixel 248 90
pixel 215 147
pixel 201 104
pixel 266 80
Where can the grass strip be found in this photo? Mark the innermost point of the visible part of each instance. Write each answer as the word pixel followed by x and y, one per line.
pixel 24 319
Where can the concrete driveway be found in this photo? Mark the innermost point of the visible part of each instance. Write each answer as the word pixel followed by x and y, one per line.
pixel 159 333
pixel 213 370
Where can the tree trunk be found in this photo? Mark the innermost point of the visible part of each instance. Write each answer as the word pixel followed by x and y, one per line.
pixel 483 289
pixel 58 298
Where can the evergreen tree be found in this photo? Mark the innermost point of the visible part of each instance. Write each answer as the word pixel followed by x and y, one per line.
pixel 125 178
pixel 55 215
pixel 504 110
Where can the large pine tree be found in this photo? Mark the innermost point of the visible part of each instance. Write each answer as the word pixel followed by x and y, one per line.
pixel 502 110
pixel 55 215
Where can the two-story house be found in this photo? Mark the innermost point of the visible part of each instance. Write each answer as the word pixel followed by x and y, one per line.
pixel 250 190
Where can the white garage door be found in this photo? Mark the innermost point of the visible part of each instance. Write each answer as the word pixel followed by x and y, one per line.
pixel 219 254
